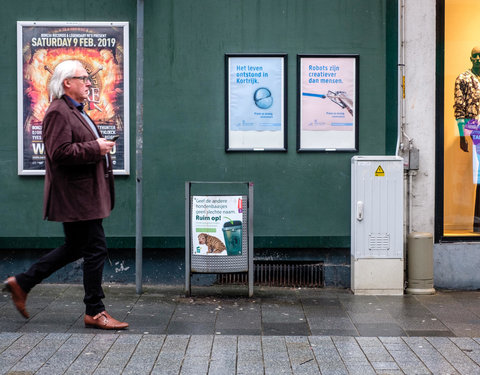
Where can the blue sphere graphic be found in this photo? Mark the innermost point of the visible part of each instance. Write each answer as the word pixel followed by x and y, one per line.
pixel 263 98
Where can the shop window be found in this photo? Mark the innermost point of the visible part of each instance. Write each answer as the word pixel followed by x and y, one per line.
pixel 461 148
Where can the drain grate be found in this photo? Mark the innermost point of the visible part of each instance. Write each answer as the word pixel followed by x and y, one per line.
pixel 288 274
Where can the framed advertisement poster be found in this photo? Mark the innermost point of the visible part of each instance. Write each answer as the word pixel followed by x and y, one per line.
pixel 255 104
pixel 102 48
pixel 328 103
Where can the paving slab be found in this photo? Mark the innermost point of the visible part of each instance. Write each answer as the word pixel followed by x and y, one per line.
pixel 328 358
pixel 197 355
pixel 275 355
pixel 223 359
pixel 14 353
pixel 433 359
pixel 40 354
pixel 405 357
pixel 301 355
pixel 62 359
pixel 250 357
pixel 145 355
pixel 89 359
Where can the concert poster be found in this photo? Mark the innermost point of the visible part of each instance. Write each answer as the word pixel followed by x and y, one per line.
pixel 102 47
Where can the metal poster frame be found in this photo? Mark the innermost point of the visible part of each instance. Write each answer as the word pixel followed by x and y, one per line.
pixel 216 263
pixel 327 102
pixel 256 102
pixel 103 48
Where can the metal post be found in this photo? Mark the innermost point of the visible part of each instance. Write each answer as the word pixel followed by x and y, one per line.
pixel 139 150
pixel 187 239
pixel 250 239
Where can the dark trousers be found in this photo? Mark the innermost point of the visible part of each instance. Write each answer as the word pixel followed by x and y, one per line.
pixel 83 239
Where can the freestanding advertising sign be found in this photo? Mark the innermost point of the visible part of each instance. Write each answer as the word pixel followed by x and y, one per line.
pixel 218 234
pixel 102 48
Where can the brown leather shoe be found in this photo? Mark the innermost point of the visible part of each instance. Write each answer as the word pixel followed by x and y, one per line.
pixel 19 297
pixel 103 320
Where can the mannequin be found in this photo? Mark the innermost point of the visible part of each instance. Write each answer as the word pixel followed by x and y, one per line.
pixel 467 110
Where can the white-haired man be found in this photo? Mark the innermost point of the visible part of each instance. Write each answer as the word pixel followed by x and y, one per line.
pixel 79 192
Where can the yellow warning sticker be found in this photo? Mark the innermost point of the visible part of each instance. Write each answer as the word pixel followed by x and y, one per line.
pixel 379 171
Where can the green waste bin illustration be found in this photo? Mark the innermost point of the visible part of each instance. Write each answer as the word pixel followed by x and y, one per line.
pixel 232 232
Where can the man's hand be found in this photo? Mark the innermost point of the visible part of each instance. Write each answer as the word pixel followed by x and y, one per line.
pixel 463 144
pixel 105 146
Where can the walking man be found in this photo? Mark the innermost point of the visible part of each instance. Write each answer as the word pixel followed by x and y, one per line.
pixel 79 192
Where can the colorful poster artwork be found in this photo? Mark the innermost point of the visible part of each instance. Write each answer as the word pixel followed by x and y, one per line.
pixel 217 225
pixel 327 102
pixel 103 50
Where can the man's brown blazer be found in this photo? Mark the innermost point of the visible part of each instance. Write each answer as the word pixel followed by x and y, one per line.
pixel 78 185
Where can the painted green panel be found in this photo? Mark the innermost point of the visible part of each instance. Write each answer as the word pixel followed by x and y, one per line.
pixel 305 194
pixel 301 199
pixel 22 196
pixel 391 122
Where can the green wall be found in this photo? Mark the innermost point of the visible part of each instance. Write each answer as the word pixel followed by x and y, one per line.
pixel 21 223
pixel 301 199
